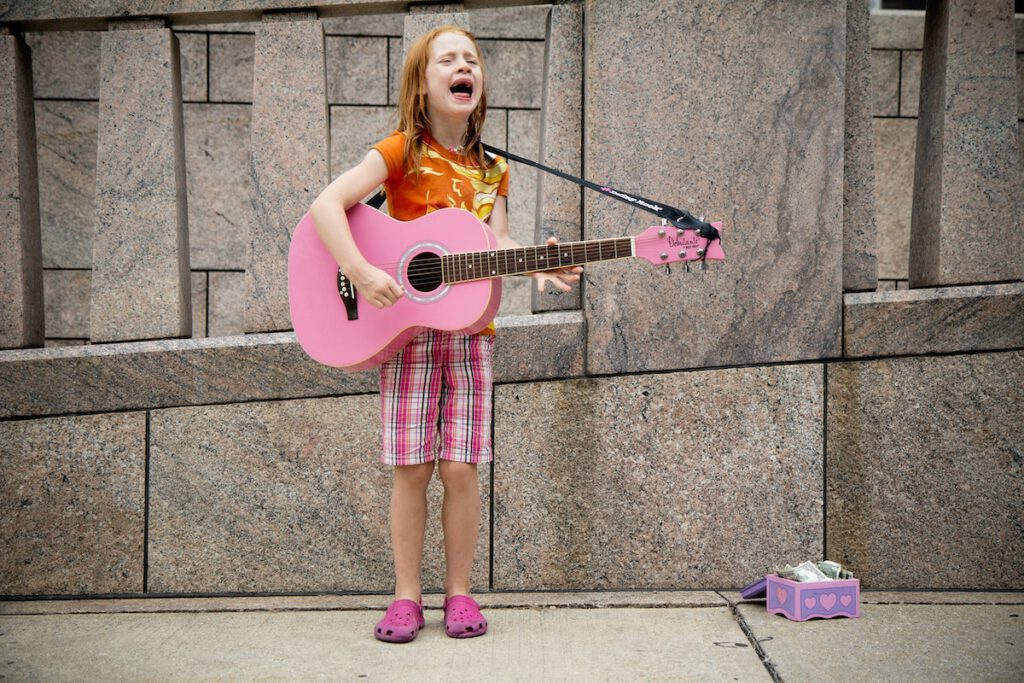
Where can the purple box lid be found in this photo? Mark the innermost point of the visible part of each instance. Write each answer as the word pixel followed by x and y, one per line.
pixel 755 589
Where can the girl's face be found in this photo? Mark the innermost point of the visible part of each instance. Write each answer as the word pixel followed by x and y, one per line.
pixel 454 79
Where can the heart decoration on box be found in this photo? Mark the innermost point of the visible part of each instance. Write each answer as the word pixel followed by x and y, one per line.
pixel 780 594
pixel 845 600
pixel 828 600
pixel 810 602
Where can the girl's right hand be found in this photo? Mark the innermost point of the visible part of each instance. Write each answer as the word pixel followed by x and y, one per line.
pixel 376 286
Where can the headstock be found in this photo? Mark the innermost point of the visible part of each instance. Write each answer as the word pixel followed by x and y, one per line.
pixel 664 244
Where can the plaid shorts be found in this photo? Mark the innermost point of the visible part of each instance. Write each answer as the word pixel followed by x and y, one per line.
pixel 435 400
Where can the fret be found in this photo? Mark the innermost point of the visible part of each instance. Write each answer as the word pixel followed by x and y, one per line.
pixel 476 265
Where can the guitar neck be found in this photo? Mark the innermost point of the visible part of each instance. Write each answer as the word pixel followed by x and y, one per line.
pixel 481 265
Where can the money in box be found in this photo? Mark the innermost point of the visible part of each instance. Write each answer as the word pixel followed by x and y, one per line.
pixel 803 600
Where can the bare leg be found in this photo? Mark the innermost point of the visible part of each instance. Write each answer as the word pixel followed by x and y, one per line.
pixel 460 517
pixel 408 525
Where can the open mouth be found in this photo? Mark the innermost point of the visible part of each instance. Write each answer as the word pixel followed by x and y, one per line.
pixel 462 90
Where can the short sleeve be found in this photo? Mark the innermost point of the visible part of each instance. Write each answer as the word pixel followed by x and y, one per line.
pixel 503 183
pixel 392 148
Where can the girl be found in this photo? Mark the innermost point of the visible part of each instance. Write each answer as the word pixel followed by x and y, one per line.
pixel 436 392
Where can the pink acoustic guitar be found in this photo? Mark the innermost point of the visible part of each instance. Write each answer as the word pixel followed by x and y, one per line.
pixel 447 264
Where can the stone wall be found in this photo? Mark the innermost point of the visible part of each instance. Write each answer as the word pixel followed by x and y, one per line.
pixel 660 430
pixel 363 65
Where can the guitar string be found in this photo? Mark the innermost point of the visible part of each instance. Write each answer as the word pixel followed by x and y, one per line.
pixel 435 265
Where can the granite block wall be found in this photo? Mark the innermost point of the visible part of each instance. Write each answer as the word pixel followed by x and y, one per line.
pixel 363 55
pixel 770 169
pixel 625 459
pixel 897 39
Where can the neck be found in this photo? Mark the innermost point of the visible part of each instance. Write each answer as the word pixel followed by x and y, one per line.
pixel 450 133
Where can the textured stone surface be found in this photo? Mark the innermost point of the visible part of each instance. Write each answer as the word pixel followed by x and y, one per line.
pixel 289 153
pixel 193 66
pixel 366 25
pixel 942 320
pixel 514 72
pixel 894 642
pixel 860 234
pixel 559 209
pixel 227 304
pixel 73 496
pixel 396 57
pixel 426 19
pixel 432 601
pixel 885 82
pixel 778 296
pixel 547 345
pixel 166 373
pixel 523 134
pixel 357 70
pixel 282 496
pixel 968 170
pixel 65 64
pixel 657 481
pixel 354 130
pixel 897 30
pixel 296 644
pixel 522 23
pixel 894 168
pixel 67 303
pixel 179 372
pixel 924 465
pixel 66 144
pixel 217 160
pixel 140 282
pixel 200 297
pixel 231 67
pixel 910 83
pixel 21 278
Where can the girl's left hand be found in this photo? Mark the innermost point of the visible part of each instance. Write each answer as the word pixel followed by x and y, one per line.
pixel 561 278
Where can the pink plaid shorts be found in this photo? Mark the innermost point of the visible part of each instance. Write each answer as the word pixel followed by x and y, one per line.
pixel 435 400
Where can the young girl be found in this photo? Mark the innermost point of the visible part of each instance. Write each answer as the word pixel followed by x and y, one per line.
pixel 436 392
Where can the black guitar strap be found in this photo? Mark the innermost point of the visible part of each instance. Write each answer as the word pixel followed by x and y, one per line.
pixel 677 217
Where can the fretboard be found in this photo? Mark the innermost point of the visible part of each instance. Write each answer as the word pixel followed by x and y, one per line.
pixel 480 265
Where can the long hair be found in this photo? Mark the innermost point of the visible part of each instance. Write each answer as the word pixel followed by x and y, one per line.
pixel 412 102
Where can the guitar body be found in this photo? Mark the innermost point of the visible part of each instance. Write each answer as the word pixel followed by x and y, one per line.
pixel 409 252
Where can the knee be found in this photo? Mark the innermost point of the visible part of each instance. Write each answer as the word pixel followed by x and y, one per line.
pixel 458 476
pixel 415 477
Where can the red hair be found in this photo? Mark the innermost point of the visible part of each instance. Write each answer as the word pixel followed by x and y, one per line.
pixel 412 101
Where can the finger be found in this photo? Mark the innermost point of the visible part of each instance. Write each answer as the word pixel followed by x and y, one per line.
pixel 552 240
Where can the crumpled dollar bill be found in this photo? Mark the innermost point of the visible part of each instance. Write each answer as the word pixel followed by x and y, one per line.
pixel 825 570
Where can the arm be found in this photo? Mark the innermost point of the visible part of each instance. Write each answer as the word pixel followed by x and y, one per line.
pixel 328 212
pixel 561 278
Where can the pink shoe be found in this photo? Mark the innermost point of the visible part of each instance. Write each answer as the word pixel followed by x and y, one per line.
pixel 403 621
pixel 462 617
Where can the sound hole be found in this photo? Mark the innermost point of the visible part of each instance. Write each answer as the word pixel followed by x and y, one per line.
pixel 424 272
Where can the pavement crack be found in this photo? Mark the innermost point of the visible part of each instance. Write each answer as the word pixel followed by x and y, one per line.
pixel 755 643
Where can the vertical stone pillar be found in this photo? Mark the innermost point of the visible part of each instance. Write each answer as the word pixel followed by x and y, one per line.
pixel 140 282
pixel 21 268
pixel 860 234
pixel 290 153
pixel 561 137
pixel 966 220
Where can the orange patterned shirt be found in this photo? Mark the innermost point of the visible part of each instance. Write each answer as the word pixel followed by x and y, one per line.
pixel 446 180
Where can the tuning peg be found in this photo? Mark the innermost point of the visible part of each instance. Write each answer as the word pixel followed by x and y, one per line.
pixel 668 269
pixel 686 266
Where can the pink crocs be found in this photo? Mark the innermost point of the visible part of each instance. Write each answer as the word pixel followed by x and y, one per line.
pixel 403 621
pixel 462 618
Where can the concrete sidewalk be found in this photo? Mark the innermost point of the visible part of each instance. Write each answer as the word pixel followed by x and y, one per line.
pixel 643 636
